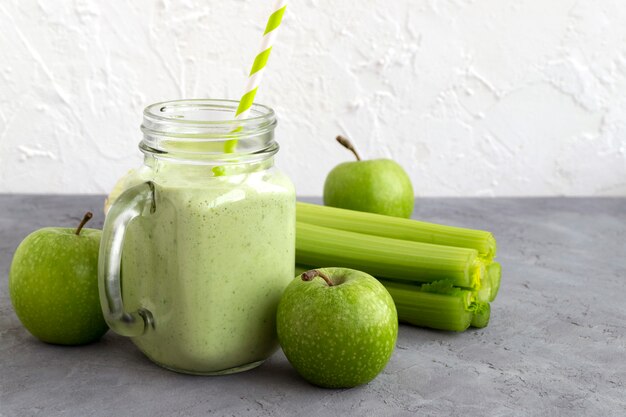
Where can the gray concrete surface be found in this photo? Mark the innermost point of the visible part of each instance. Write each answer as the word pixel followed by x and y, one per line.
pixel 555 345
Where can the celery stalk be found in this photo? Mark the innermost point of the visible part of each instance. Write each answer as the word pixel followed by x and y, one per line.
pixel 388 258
pixel 491 283
pixel 397 228
pixel 484 293
pixel 452 311
pixel 482 314
pixel 494 270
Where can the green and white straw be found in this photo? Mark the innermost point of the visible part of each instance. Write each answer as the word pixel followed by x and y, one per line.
pixel 258 67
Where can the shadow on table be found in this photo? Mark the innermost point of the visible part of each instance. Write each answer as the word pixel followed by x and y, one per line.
pixel 276 371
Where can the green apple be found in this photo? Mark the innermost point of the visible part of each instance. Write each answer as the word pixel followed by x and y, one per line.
pixel 53 285
pixel 376 186
pixel 337 326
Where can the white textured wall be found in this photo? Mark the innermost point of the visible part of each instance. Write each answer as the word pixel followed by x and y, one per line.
pixel 485 97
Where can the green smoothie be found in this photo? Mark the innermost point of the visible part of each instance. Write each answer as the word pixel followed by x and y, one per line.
pixel 210 264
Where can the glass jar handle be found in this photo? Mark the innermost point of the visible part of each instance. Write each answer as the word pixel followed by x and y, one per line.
pixel 134 202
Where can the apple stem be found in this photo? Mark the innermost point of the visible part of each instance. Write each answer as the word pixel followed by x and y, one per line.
pixel 87 217
pixel 309 275
pixel 345 142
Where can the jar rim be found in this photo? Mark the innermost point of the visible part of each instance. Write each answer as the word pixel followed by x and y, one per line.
pixel 258 112
pixel 205 130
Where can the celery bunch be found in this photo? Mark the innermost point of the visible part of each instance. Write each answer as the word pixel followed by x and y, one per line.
pixel 441 277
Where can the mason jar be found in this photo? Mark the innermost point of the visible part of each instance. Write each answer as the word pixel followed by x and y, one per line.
pixel 196 253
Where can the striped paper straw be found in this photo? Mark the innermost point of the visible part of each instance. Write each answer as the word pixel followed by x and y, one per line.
pixel 258 68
